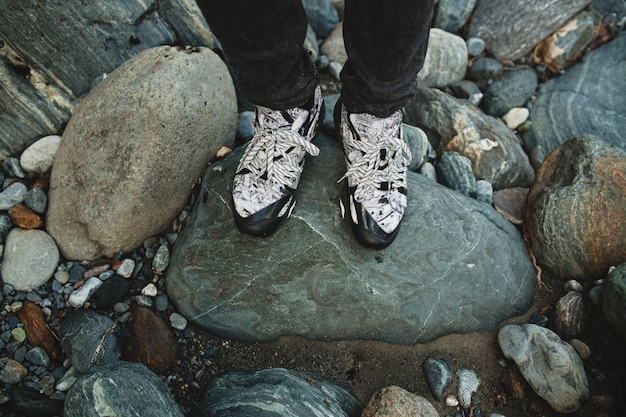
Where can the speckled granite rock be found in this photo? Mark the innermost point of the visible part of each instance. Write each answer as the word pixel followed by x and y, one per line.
pixel 453 256
pixel 276 393
pixel 552 367
pixel 576 209
pixel 121 389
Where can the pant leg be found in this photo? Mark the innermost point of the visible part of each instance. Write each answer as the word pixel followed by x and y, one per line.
pixel 263 42
pixel 386 42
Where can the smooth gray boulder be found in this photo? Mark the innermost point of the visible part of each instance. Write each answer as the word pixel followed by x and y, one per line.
pixel 276 393
pixel 456 265
pixel 120 389
pixel 454 125
pixel 551 367
pixel 587 99
pixel 512 31
pixel 134 147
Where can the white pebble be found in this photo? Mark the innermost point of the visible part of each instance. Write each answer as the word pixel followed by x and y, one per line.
pixel 451 401
pixel 126 268
pixel 516 117
pixel 81 295
pixel 468 383
pixel 150 290
pixel 39 156
pixel 178 321
pixel 573 285
pixel 335 69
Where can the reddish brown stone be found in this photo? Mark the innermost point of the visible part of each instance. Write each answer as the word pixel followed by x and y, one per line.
pixel 23 217
pixel 576 209
pixel 37 331
pixel 150 342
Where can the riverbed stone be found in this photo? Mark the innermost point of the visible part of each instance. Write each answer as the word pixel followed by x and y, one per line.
pixel 590 94
pixel 453 255
pixel 445 61
pixel 30 258
pixel 115 184
pixel 551 366
pixel 513 31
pixel 121 389
pixel 576 209
pixel 512 89
pixel 455 125
pixel 394 401
pixel 276 393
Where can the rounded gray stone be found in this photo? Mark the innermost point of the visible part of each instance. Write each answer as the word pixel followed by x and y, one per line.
pixel 276 393
pixel 438 374
pixel 30 258
pixel 551 367
pixel 115 184
pixel 452 256
pixel 445 61
pixel 121 389
pixel 512 89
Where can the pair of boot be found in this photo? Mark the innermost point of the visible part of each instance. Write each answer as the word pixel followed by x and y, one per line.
pixel 375 194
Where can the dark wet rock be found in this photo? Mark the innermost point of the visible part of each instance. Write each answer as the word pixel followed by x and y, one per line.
pixel 182 129
pixel 438 373
pixel 511 203
pixel 513 31
pixel 454 125
pixel 559 50
pixel 512 89
pixel 112 291
pixel 452 15
pixel 551 367
pixel 614 300
pixel 569 316
pixel 151 341
pixel 468 90
pixel 394 401
pixel 276 393
pixel 591 94
pixel 484 68
pixel 455 171
pixel 576 209
pixel 89 338
pixel 36 45
pixel 315 280
pixel 32 404
pixel 123 389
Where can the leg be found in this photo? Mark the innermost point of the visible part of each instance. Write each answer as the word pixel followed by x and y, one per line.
pixel 386 43
pixel 262 42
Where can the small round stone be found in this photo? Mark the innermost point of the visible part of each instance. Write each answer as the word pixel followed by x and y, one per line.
pixel 144 301
pixel 150 290
pixel 36 200
pixel 39 156
pixel 178 321
pixel 475 46
pixel 38 356
pixel 12 195
pixel 19 334
pixel 581 348
pixel 126 268
pixel 573 285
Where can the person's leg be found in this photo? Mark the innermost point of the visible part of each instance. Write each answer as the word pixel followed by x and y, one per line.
pixel 263 43
pixel 386 43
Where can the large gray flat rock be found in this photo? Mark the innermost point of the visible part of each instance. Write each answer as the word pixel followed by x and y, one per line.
pixel 456 266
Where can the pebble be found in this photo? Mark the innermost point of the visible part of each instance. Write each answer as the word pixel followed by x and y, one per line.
pixel 5 226
pixel 96 271
pixel 573 285
pixel 569 316
pixel 335 70
pixel 438 374
pixel 12 195
pixel 475 46
pixel 121 308
pixel 143 301
pixel 516 117
pixel 468 383
pixel 76 273
pixel 245 126
pixel 36 200
pixel 484 191
pixel 161 260
pixel 38 356
pixel 178 321
pixel 161 302
pixel 23 247
pixel 126 268
pixel 429 171
pixel 82 294
pixel 452 401
pixel 66 382
pixel 13 372
pixel 12 167
pixel 19 334
pixel 149 290
pixel 581 348
pixel 484 69
pixel 39 156
pixel 22 216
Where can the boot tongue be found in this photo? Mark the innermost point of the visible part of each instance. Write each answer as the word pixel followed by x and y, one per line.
pixel 371 128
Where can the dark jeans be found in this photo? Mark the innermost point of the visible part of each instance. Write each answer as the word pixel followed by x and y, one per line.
pixel 262 40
